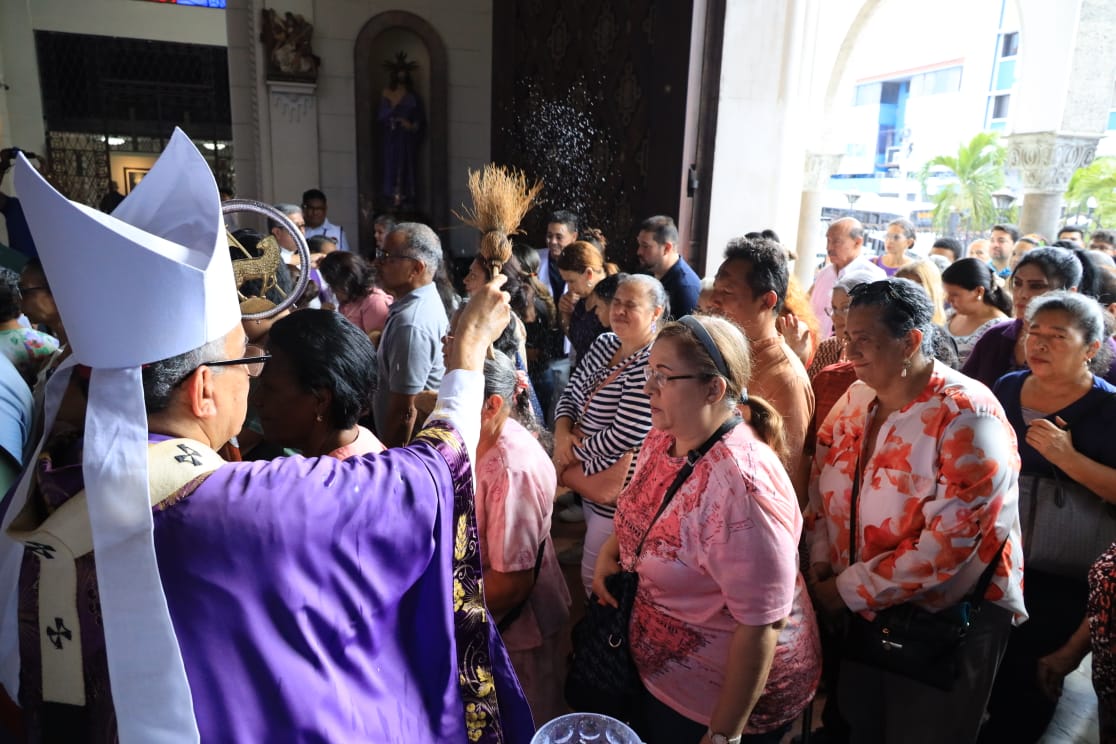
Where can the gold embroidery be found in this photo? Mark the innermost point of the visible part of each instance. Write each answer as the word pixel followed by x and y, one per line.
pixel 476 719
pixel 461 543
pixel 458 595
pixel 440 434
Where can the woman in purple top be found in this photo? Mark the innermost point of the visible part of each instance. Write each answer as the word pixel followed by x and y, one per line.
pixel 1001 349
pixel 899 240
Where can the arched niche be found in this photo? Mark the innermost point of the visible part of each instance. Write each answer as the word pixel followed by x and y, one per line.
pixel 379 40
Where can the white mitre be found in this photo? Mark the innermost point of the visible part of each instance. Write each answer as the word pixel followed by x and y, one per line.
pixel 148 282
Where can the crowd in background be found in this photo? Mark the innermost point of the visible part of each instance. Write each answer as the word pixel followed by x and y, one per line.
pixel 866 441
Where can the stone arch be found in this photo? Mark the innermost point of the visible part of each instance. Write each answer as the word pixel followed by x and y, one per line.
pixel 371 47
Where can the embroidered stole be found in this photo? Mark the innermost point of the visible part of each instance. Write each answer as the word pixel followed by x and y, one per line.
pixel 65 536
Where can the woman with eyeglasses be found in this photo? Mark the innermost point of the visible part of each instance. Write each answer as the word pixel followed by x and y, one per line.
pixel 832 350
pixel 898 242
pixel 603 416
pixel 914 501
pixel 318 382
pixel 722 630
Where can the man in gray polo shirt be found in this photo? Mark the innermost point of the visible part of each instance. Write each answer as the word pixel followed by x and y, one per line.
pixel 410 353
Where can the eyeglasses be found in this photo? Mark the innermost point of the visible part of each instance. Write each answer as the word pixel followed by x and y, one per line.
pixel 831 311
pixel 313 207
pixel 25 290
pixel 660 380
pixel 254 360
pixel 385 256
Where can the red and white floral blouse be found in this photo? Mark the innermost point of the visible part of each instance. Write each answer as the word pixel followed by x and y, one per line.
pixel 939 494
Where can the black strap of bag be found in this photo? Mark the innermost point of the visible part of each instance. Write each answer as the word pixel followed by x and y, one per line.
pixel 514 613
pixel 691 460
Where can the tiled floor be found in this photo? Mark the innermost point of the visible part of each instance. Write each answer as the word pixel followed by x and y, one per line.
pixel 1074 723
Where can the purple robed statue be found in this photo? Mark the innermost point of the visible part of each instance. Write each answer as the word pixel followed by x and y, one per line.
pixel 402 121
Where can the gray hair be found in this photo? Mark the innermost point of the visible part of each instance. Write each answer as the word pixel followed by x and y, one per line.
pixel 1085 312
pixel 285 208
pixel 423 242
pixel 651 286
pixel 161 378
pixel 903 306
pixel 853 278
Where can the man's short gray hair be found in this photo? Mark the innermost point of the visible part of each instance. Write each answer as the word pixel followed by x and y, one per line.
pixel 422 243
pixel 161 378
pixel 287 209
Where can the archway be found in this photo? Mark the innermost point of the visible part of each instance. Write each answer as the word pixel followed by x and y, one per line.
pixel 381 38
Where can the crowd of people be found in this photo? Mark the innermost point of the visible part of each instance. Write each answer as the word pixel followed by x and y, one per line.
pixel 799 477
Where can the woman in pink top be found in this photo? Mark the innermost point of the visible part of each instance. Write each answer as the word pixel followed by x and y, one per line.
pixel 353 281
pixel 722 630
pixel 317 384
pixel 523 583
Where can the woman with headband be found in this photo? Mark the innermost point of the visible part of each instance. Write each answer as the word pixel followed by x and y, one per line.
pixel 722 631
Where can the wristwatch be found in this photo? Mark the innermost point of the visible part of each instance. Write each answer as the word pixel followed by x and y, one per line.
pixel 723 739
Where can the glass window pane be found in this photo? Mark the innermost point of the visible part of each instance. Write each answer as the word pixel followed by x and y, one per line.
pixel 1000 107
pixel 1005 75
pixel 1010 46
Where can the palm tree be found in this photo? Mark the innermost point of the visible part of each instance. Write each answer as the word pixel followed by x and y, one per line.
pixel 1097 180
pixel 978 167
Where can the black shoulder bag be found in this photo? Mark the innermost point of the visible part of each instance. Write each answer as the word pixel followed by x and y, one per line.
pixel 908 640
pixel 602 676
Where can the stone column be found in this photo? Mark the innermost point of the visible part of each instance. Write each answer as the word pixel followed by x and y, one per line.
pixel 811 235
pixel 294 138
pixel 1046 161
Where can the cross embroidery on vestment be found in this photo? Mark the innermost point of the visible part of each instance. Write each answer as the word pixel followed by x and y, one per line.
pixel 188 455
pixel 41 550
pixel 58 632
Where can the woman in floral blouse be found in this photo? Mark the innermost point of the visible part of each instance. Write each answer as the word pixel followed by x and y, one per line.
pixel 933 465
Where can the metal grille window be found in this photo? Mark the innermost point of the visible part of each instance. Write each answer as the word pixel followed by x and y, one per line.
pixel 106 97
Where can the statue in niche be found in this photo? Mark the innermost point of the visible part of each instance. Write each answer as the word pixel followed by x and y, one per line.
pixel 402 122
pixel 287 43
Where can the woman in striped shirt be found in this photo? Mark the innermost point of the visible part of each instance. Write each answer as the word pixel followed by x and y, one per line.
pixel 603 415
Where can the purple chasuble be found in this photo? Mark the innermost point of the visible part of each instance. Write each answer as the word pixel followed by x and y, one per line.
pixel 322 600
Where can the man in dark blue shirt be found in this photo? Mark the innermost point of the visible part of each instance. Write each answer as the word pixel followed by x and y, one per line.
pixel 658 254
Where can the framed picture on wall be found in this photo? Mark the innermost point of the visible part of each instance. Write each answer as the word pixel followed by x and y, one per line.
pixel 132 177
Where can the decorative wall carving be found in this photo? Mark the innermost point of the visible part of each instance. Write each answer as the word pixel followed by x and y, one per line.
pixel 292 101
pixel 286 40
pixel 1046 160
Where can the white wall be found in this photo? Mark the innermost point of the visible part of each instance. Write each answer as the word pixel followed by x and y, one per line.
pixel 761 124
pixel 466 28
pixel 19 19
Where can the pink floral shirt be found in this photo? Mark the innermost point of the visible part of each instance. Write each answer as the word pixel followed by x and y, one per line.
pixel 515 501
pixel 939 494
pixel 723 554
